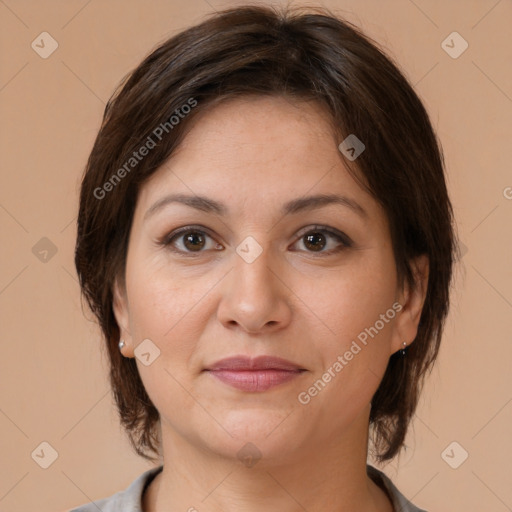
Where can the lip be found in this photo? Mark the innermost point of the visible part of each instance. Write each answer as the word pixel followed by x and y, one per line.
pixel 240 363
pixel 254 374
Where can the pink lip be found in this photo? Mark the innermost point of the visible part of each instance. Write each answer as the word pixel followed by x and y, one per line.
pixel 257 374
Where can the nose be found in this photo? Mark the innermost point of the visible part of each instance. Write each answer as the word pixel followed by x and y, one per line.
pixel 255 296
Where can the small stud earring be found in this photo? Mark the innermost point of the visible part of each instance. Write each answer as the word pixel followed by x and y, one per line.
pixel 121 345
pixel 403 349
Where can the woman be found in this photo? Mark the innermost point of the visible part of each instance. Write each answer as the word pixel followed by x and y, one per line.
pixel 266 239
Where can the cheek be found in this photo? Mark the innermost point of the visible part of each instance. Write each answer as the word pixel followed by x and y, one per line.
pixel 167 312
pixel 357 320
pixel 162 302
pixel 352 300
pixel 354 359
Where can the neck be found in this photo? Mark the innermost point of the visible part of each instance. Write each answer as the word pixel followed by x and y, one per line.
pixel 330 475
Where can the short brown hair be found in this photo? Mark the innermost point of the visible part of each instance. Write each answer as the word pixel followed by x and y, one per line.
pixel 307 54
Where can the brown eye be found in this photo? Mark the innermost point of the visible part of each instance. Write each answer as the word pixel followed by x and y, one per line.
pixel 194 240
pixel 315 240
pixel 190 240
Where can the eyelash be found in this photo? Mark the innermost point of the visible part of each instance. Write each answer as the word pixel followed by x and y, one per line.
pixel 338 236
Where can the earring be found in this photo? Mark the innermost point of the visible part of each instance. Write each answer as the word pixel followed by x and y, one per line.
pixel 121 345
pixel 403 349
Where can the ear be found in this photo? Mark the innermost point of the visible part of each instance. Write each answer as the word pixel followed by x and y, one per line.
pixel 411 299
pixel 122 315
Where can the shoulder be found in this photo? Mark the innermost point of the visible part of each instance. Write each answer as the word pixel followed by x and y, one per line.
pixel 129 499
pixel 400 502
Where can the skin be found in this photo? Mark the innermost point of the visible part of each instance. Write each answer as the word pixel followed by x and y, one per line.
pixel 292 301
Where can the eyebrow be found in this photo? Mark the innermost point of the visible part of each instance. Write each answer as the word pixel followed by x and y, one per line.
pixel 300 204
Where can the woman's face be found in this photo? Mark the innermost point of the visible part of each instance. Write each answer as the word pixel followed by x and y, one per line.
pixel 314 284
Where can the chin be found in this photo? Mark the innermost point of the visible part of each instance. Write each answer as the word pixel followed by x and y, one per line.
pixel 256 437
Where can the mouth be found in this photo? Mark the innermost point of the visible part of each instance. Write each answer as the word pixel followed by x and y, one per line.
pixel 254 374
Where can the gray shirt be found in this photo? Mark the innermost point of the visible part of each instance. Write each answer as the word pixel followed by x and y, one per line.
pixel 130 499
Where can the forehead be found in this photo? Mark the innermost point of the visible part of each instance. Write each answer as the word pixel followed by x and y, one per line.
pixel 256 150
pixel 261 128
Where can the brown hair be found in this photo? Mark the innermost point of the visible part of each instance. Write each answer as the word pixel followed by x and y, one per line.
pixel 307 54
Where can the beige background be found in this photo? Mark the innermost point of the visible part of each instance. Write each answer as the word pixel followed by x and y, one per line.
pixel 53 372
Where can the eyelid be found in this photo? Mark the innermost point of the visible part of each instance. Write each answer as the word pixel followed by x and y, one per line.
pixel 185 229
pixel 327 229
